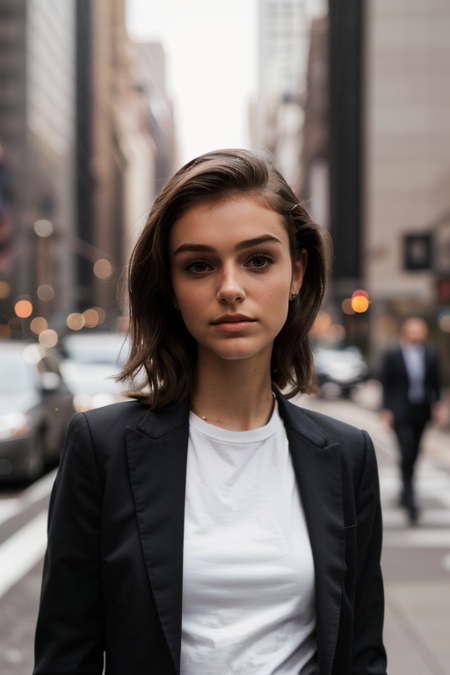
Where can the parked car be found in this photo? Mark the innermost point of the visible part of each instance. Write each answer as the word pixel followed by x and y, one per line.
pixel 90 363
pixel 35 409
pixel 339 371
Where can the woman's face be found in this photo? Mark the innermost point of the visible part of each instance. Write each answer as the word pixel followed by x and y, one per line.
pixel 232 276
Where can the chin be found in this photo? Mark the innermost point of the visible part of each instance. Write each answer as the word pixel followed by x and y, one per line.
pixel 236 352
pixel 237 356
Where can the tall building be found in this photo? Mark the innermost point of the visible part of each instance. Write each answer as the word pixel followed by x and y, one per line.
pixel 332 168
pixel 37 136
pixel 277 114
pixel 407 236
pixel 314 160
pixel 149 71
pixel 116 153
pixel 77 158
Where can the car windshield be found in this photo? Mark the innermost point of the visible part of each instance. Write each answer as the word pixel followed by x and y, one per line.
pixel 14 375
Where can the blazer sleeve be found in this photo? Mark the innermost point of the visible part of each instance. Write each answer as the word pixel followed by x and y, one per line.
pixel 369 655
pixel 70 632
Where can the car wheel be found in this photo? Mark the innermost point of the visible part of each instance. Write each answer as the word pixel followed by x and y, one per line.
pixel 37 463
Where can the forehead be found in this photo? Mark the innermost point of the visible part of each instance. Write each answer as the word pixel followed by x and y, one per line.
pixel 232 219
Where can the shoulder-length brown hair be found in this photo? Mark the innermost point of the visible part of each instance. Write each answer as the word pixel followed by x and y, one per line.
pixel 161 345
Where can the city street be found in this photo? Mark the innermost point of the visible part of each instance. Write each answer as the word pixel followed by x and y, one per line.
pixel 416 561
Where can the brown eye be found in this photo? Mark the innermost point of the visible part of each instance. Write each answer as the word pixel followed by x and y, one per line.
pixel 259 261
pixel 197 267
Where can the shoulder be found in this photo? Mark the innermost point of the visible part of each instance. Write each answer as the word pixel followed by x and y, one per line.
pixel 100 435
pixel 126 412
pixel 355 447
pixel 353 442
pixel 335 430
pixel 325 431
pixel 111 421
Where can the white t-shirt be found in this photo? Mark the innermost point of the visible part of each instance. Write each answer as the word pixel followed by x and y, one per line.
pixel 248 573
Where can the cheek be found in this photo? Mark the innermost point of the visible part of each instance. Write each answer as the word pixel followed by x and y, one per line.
pixel 191 296
pixel 278 291
pixel 274 303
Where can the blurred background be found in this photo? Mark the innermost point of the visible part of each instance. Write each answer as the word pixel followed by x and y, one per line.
pixel 100 102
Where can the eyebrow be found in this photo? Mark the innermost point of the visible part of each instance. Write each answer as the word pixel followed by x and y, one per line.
pixel 247 243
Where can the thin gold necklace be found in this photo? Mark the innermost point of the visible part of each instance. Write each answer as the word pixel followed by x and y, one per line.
pixel 195 410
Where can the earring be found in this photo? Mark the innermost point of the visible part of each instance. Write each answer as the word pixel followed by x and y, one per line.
pixel 176 307
pixel 294 295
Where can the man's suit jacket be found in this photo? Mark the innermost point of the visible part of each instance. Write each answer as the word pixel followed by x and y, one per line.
pixel 395 381
pixel 113 570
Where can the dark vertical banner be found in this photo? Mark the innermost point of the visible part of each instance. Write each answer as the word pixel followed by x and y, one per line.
pixel 84 187
pixel 346 80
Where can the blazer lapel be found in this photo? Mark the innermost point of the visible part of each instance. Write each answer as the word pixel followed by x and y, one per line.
pixel 317 466
pixel 157 456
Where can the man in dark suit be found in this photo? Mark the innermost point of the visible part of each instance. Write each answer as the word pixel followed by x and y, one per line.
pixel 410 379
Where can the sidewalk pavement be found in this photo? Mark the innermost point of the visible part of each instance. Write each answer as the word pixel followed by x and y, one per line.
pixel 416 560
pixel 417 587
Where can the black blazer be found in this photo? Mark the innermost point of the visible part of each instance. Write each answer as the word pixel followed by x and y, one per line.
pixel 395 381
pixel 113 570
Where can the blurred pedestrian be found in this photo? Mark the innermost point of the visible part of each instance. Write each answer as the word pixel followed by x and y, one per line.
pixel 410 379
pixel 210 526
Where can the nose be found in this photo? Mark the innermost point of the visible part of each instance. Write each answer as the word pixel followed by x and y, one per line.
pixel 231 288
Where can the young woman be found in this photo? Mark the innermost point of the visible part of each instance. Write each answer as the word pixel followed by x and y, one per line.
pixel 212 527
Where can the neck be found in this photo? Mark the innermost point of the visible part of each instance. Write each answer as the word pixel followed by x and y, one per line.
pixel 234 395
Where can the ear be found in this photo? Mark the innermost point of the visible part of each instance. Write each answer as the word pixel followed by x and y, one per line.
pixel 298 271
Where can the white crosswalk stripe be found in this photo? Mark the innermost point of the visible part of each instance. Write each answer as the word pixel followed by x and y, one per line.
pixel 40 489
pixel 22 551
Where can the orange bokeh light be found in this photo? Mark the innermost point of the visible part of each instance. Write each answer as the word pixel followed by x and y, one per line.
pixel 90 318
pixel 103 268
pixel 101 314
pixel 23 309
pixel 45 292
pixel 347 306
pixel 38 325
pixel 48 338
pixel 360 304
pixel 75 321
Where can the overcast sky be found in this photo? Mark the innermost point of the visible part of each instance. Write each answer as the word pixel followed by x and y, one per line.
pixel 211 50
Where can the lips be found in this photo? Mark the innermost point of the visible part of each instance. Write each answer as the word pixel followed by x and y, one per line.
pixel 233 323
pixel 233 318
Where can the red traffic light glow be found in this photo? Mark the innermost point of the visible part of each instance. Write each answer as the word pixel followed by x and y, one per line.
pixel 360 293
